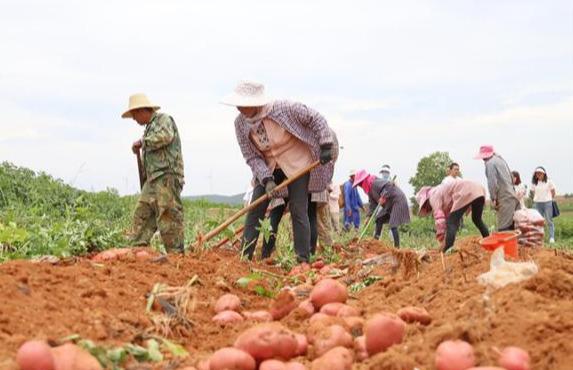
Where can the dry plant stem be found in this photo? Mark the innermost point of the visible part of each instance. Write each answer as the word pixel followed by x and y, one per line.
pixel 443 261
pixel 463 266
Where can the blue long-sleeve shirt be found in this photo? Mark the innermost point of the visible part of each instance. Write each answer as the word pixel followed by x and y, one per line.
pixel 352 199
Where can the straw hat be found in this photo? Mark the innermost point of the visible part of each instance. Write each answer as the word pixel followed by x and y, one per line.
pixel 359 177
pixel 247 94
pixel 137 101
pixel 485 152
pixel 421 198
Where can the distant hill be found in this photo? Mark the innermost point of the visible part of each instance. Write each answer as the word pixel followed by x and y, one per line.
pixel 215 198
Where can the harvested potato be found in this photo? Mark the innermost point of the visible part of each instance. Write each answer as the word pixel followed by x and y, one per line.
pixel 328 291
pixel 455 355
pixel 331 309
pixel 283 304
pixel 231 359
pixel 382 331
pixel 329 338
pixel 307 307
pixel 339 358
pixel 360 348
pixel 260 316
pixel 302 344
pixel 227 318
pixel 415 314
pixel 317 317
pixel 35 355
pixel 272 365
pixel 266 341
pixel 227 302
pixel 514 358
pixel 347 311
pixel 355 324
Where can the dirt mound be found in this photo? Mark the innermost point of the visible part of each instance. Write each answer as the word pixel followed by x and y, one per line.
pixel 106 302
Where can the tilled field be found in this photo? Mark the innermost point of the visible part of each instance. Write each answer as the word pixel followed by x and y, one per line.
pixel 106 303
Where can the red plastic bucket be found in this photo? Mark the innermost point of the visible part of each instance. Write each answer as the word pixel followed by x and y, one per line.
pixel 505 239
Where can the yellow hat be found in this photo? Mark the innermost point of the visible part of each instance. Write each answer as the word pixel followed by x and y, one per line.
pixel 137 101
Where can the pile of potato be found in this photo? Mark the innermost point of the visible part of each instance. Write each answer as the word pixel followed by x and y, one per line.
pixel 337 335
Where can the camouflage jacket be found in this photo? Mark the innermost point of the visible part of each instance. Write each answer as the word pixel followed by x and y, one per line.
pixel 162 148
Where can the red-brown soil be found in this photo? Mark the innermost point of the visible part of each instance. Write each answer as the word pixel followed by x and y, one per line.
pixel 106 302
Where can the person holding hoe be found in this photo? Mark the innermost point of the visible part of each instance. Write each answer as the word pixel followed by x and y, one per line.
pixel 159 205
pixel 448 202
pixel 278 139
pixel 388 203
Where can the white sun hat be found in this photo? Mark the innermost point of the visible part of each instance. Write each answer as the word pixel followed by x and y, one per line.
pixel 247 94
pixel 137 101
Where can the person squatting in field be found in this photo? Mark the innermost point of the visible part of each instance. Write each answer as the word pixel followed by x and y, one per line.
pixel 159 205
pixel 500 186
pixel 448 202
pixel 388 203
pixel 278 139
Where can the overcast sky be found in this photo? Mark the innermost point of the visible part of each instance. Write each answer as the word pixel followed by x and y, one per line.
pixel 396 80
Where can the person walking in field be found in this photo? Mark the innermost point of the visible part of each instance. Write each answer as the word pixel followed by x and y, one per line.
pixel 392 200
pixel 159 206
pixel 352 203
pixel 278 139
pixel 500 186
pixel 448 202
pixel 520 189
pixel 543 191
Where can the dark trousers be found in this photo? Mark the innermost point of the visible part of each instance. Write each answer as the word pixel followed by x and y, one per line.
pixel 298 206
pixel 275 217
pixel 380 221
pixel 453 221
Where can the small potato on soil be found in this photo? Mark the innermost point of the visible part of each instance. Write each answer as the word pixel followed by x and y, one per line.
pixel 360 348
pixel 227 302
pixel 302 346
pixel 339 358
pixel 35 355
pixel 514 358
pixel 328 291
pixel 266 341
pixel 455 355
pixel 231 359
pixel 283 304
pixel 415 314
pixel 355 324
pixel 383 331
pixel 307 307
pixel 331 337
pixel 331 308
pixel 227 318
pixel 272 365
pixel 260 316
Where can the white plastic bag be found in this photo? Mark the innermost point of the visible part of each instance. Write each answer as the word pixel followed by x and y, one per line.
pixel 502 272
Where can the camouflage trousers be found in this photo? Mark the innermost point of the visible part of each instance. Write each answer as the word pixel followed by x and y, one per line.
pixel 160 207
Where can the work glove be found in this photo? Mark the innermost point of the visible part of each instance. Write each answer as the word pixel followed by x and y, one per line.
pixel 325 153
pixel 270 185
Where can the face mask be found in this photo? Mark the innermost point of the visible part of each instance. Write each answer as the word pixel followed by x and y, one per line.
pixel 385 176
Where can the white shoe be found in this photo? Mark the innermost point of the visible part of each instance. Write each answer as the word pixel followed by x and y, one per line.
pixel 551 241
